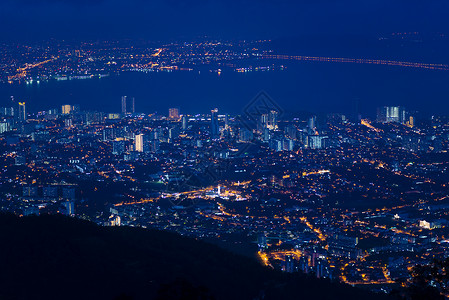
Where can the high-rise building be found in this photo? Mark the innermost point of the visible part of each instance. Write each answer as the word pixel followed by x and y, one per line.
pixel 69 207
pixel 173 113
pixel 138 143
pixel 391 114
pixel 265 135
pixel 276 144
pixel 173 133
pixel 304 264
pixel 92 117
pixel 66 109
pixel 269 120
pixel 288 145
pixel 226 121
pixel 316 142
pixel 4 127
pixel 7 111
pixel 311 125
pixel 411 121
pixel 124 105
pixel 108 134
pixel 184 122
pixel 290 131
pixel 263 122
pixel 141 143
pixel 22 111
pixel 118 147
pixel 76 108
pixel 273 119
pixel 155 134
pixel 262 240
pixel 128 105
pixel 245 135
pixel 154 146
pixel 289 264
pixel 214 128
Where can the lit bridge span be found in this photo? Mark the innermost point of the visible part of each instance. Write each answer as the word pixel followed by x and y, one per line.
pixel 441 67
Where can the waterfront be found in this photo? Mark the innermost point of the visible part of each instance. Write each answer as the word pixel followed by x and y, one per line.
pixel 300 86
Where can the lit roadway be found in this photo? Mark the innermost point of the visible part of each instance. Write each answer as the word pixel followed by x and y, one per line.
pixel 21 72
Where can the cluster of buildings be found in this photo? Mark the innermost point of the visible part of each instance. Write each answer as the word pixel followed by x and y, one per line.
pixel 395 114
pixel 33 64
pixel 353 200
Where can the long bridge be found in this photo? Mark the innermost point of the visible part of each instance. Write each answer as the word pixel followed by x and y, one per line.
pixel 441 67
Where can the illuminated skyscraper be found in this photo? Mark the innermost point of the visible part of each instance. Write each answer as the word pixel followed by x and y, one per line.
pixel 138 143
pixel 22 111
pixel 141 143
pixel 4 127
pixel 214 128
pixel 387 114
pixel 128 105
pixel 173 113
pixel 66 109
pixel 411 121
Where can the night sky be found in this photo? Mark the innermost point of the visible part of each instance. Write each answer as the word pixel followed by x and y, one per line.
pixel 345 28
pixel 160 20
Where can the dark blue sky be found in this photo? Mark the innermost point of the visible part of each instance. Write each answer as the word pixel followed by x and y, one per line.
pixel 92 19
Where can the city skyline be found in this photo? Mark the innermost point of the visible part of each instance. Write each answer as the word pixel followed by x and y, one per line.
pixel 254 150
pixel 195 74
pixel 207 165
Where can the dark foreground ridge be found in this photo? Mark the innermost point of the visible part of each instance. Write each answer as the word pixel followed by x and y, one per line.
pixel 55 257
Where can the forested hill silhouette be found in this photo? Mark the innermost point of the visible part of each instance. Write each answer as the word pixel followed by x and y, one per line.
pixel 56 257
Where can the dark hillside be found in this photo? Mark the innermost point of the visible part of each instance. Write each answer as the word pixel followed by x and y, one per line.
pixel 54 257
